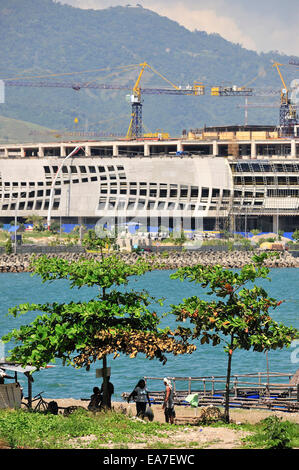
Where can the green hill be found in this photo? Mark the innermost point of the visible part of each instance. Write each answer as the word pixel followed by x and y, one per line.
pixel 40 37
pixel 14 130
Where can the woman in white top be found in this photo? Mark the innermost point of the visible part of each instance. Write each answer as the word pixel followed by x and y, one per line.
pixel 168 403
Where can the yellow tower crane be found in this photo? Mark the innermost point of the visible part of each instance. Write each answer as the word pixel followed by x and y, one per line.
pixel 287 112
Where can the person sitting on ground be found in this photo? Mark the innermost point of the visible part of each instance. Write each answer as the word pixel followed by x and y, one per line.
pixel 95 400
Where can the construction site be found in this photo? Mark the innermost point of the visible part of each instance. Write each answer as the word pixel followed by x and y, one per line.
pixel 232 178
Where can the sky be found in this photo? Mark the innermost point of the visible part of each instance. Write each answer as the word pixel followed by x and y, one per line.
pixel 259 25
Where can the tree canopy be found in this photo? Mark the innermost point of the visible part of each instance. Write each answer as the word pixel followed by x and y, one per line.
pixel 80 333
pixel 237 315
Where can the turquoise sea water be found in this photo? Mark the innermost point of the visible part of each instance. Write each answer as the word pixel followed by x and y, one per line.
pixel 66 382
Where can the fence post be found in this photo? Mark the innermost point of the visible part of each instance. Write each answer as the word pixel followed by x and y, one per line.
pixel 235 387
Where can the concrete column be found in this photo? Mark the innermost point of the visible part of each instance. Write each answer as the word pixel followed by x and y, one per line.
pixel 62 151
pixel 87 150
pixel 293 148
pixel 115 150
pixel 23 152
pixel 179 146
pixel 41 152
pixel 275 223
pixel 253 149
pixel 146 150
pixel 215 148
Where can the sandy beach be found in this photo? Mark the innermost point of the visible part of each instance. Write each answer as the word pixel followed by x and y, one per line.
pixel 237 415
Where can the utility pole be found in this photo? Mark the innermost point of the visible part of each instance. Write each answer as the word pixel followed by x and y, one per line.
pixel 76 149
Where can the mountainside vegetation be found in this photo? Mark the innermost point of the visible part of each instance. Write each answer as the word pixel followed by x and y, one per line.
pixel 42 37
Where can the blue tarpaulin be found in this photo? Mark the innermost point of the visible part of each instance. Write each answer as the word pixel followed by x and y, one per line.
pixel 13 228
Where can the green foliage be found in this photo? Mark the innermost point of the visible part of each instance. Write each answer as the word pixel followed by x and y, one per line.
pixel 91 241
pixel 34 430
pixel 8 246
pixel 274 433
pixel 241 314
pixel 295 235
pixel 54 226
pixel 37 221
pixel 81 332
pixel 237 315
pixel 179 239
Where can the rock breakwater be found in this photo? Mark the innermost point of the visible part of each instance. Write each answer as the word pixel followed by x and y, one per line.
pixel 172 260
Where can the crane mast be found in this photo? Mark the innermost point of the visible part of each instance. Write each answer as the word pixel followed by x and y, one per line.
pixel 287 112
pixel 135 127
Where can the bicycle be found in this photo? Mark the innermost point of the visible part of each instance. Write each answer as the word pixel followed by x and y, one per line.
pixel 41 405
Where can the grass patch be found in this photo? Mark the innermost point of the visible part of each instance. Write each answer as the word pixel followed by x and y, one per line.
pixel 23 429
pixel 82 429
pixel 273 433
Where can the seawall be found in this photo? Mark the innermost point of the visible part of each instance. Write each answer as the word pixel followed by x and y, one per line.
pixel 171 260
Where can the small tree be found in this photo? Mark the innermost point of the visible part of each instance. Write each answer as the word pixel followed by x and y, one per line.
pixel 37 221
pixel 82 332
pixel 92 241
pixel 55 227
pixel 8 246
pixel 239 316
pixel 295 235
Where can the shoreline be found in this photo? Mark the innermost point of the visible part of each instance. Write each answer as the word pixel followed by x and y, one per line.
pixel 237 415
pixel 17 263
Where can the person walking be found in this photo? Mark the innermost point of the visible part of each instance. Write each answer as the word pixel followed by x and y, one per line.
pixel 168 403
pixel 141 397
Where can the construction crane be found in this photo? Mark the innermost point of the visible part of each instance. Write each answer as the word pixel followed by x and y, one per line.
pixel 287 112
pixel 136 126
pixel 231 91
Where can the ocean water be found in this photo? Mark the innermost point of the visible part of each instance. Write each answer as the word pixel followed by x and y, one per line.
pixel 66 382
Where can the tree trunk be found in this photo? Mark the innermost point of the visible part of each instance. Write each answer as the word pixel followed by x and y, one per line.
pixel 105 378
pixel 228 374
pixel 105 384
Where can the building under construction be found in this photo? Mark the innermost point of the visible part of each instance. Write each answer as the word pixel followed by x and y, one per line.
pixel 235 178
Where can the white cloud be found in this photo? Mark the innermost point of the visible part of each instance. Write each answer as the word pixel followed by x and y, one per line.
pixel 209 21
pixel 260 25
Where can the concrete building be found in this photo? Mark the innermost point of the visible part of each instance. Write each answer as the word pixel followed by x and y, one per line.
pixel 233 178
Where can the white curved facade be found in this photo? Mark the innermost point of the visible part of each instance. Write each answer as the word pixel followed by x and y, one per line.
pixel 235 179
pixel 131 187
